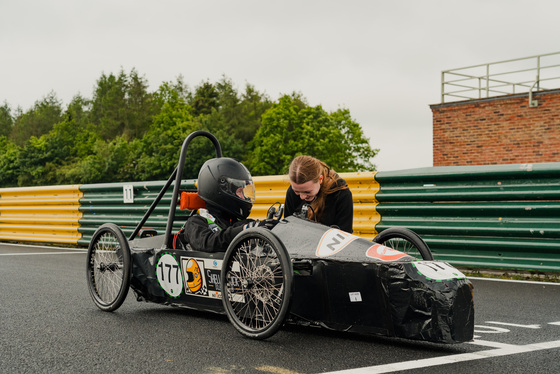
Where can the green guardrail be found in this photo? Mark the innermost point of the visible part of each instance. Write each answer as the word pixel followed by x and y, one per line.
pixel 498 216
pixel 124 204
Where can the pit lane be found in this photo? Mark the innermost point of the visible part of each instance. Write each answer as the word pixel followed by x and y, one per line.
pixel 50 324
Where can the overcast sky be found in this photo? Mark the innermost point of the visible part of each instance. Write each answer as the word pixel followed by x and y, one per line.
pixel 380 59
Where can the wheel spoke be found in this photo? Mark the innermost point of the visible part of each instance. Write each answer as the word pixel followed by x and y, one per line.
pixel 255 284
pixel 108 267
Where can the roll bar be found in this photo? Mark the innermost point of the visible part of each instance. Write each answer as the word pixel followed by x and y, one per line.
pixel 176 176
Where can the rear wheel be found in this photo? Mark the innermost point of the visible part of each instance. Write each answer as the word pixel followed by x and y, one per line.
pixel 108 267
pixel 406 241
pixel 257 283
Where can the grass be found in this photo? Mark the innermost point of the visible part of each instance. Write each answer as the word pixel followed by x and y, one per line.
pixel 525 275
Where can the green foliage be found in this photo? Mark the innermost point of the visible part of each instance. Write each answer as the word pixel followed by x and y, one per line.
pixel 291 128
pixel 126 133
pixel 160 147
pixel 9 154
pixel 6 120
pixel 37 121
pixel 122 105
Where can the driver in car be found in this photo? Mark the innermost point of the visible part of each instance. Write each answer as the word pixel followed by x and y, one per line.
pixel 227 188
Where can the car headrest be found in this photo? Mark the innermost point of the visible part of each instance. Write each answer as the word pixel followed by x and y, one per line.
pixel 191 201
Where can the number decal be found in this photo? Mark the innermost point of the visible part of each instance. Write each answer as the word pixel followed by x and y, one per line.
pixel 437 271
pixel 169 275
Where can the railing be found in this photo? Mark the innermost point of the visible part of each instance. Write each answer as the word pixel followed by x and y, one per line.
pixel 521 75
pixel 125 203
pixel 497 216
pixel 40 214
pixel 494 216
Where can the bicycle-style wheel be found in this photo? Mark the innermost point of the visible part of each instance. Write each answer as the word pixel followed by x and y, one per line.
pixel 406 241
pixel 108 267
pixel 256 280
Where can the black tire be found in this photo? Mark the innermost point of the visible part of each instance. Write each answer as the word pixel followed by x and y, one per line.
pixel 406 241
pixel 108 267
pixel 257 279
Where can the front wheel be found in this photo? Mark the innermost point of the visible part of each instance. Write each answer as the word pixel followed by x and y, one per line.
pixel 256 283
pixel 406 241
pixel 108 267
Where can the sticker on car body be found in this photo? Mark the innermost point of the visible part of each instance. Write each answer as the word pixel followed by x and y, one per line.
pixel 437 271
pixel 169 275
pixel 334 241
pixel 384 253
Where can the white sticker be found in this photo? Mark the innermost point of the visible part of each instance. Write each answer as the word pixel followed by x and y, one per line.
pixel 169 275
pixel 355 297
pixel 437 271
pixel 128 194
pixel 334 241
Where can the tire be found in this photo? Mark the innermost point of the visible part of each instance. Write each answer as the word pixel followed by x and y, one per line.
pixel 406 241
pixel 108 267
pixel 257 279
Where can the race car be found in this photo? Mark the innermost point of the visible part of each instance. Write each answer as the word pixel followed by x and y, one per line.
pixel 298 271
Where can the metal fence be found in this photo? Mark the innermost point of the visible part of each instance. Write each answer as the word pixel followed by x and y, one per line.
pixel 125 203
pixel 521 75
pixel 494 216
pixel 40 214
pixel 500 216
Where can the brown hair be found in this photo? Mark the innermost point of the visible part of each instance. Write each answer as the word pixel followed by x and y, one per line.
pixel 306 168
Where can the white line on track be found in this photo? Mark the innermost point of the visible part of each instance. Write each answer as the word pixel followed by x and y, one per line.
pixel 516 281
pixel 515 325
pixel 42 253
pixel 501 350
pixel 40 246
pixel 51 248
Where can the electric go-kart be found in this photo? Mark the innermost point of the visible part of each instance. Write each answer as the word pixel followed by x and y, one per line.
pixel 297 272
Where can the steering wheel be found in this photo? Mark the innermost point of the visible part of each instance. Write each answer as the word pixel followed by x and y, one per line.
pixel 274 213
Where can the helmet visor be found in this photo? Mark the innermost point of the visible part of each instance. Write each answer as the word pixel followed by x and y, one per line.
pixel 242 189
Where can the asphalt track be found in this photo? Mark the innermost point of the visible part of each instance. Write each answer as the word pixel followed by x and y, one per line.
pixel 50 325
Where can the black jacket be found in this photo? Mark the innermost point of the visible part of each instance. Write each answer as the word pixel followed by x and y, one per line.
pixel 209 235
pixel 339 209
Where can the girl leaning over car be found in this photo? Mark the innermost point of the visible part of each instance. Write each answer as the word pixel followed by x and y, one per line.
pixel 313 183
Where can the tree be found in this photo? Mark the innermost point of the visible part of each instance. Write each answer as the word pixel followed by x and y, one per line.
pixel 9 154
pixel 291 128
pixel 140 106
pixel 205 99
pixel 6 120
pixel 171 92
pixel 159 149
pixel 235 118
pixel 37 121
pixel 109 105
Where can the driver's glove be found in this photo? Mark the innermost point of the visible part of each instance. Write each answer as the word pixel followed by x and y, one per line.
pixel 267 223
pixel 251 224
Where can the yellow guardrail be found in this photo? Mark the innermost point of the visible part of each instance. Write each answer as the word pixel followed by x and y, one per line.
pixel 272 189
pixel 40 214
pixel 51 214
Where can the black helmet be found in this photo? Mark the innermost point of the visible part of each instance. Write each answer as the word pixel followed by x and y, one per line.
pixel 226 184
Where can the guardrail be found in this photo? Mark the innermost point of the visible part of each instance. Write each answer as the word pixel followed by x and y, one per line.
pixel 125 203
pixel 501 216
pixel 497 216
pixel 40 214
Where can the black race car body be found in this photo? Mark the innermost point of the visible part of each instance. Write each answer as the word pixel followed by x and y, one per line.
pixel 298 272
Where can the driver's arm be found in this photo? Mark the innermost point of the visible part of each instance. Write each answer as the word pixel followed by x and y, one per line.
pixel 201 238
pixel 292 202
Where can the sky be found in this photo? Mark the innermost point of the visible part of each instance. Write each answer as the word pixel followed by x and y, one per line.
pixel 382 60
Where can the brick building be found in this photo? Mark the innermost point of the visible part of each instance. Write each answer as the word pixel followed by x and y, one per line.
pixel 498 130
